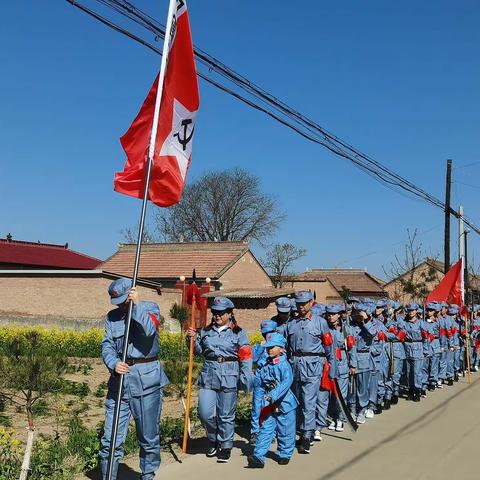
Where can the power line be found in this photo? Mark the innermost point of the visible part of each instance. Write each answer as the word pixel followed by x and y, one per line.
pixel 267 103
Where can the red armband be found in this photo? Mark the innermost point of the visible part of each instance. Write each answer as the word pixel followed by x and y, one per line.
pixel 338 353
pixel 449 332
pixel 476 327
pixel 402 335
pixel 425 335
pixel 431 337
pixel 393 330
pixel 381 336
pixel 443 332
pixel 245 353
pixel 477 345
pixel 327 339
pixel 463 331
pixel 350 342
pixel 154 319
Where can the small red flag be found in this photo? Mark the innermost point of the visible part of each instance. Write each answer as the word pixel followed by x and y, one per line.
pixel 176 123
pixel 450 289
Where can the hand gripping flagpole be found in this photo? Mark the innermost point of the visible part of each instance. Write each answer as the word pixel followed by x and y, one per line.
pixel 151 151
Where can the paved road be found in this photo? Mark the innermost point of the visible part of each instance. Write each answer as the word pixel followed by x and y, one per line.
pixel 438 438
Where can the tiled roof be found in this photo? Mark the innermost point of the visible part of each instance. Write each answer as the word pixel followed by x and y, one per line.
pixel 247 293
pixel 48 255
pixel 353 280
pixel 171 260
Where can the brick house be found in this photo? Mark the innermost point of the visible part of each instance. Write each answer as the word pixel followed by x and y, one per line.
pixel 230 268
pixel 328 284
pixel 50 284
pixel 430 272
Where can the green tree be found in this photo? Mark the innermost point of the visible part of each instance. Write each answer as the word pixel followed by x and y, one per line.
pixel 29 373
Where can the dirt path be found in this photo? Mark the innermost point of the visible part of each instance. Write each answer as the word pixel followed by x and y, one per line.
pixel 435 439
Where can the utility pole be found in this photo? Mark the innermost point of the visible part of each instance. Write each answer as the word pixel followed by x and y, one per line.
pixel 448 188
pixel 466 280
pixel 461 233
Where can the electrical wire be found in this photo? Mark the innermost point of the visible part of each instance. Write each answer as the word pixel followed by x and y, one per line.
pixel 268 104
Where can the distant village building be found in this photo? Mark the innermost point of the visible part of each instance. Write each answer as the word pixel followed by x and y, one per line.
pixel 51 284
pixel 230 267
pixel 429 272
pixel 330 285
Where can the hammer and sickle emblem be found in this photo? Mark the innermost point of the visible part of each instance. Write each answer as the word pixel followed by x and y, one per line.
pixel 186 139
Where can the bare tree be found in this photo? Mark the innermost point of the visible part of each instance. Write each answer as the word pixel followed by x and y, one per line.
pixel 411 282
pixel 221 205
pixel 278 260
pixel 130 234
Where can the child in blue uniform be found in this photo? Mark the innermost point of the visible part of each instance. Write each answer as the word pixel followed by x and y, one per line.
pixel 279 404
pixel 260 357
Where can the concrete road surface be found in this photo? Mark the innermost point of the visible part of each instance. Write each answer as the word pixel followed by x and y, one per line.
pixel 438 438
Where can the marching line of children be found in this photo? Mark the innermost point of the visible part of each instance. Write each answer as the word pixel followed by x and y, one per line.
pixel 371 351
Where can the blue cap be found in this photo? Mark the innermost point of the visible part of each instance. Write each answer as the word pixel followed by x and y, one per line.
pixel 397 305
pixel 353 299
pixel 293 305
pixel 303 296
pixel 333 308
pixel 381 303
pixel 318 308
pixel 412 306
pixel 118 290
pixel 275 340
pixel 221 303
pixel 267 326
pixel 444 305
pixel 454 309
pixel 283 305
pixel 368 308
pixel 433 306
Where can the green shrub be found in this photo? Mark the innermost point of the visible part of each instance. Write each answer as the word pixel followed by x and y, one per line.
pixel 10 455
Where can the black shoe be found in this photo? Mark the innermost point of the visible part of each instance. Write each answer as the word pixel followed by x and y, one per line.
pixel 254 462
pixel 455 378
pixel 416 396
pixel 378 410
pixel 450 381
pixel 304 446
pixel 212 449
pixel 411 394
pixel 424 393
pixel 431 387
pixel 223 455
pixel 394 400
pixel 283 461
pixel 387 404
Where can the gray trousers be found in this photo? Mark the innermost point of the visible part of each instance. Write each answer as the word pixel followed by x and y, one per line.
pixel 216 409
pixel 358 401
pixel 146 412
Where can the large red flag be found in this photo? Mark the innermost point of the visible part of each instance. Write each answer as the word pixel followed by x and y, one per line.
pixel 450 289
pixel 176 123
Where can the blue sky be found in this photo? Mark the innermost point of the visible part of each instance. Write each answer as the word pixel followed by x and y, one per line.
pixel 398 80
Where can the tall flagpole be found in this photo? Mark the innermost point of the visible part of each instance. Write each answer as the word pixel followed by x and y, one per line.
pixel 151 152
pixel 189 380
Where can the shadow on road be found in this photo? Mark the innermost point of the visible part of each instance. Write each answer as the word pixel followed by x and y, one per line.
pixel 410 427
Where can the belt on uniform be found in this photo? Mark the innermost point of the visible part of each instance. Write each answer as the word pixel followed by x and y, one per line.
pixel 222 359
pixel 414 341
pixel 364 350
pixel 307 354
pixel 134 361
